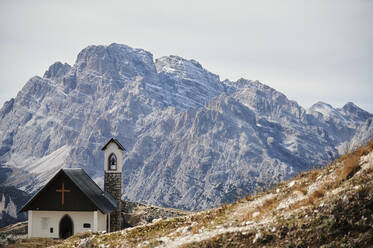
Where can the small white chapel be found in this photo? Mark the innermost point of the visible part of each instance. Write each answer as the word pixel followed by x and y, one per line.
pixel 71 202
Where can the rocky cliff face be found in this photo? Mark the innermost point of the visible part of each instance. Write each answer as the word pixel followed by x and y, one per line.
pixel 11 200
pixel 192 140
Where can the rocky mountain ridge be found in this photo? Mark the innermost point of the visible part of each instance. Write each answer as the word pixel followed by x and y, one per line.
pixel 193 141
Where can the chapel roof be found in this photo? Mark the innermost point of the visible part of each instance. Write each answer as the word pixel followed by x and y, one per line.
pixel 102 200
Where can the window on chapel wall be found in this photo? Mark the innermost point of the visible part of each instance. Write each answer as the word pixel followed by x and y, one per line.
pixel 112 162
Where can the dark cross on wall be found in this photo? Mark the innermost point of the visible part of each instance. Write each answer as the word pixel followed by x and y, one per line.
pixel 63 190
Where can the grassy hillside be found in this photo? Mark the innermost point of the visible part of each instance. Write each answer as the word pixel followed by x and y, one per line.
pixel 330 207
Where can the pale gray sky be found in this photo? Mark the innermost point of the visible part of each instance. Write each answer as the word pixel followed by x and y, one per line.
pixel 319 50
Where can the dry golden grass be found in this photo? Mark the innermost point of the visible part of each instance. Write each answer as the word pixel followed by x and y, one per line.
pixel 351 161
pixel 35 243
pixel 350 166
pixel 315 196
pixel 269 204
pixel 299 204
pixel 301 187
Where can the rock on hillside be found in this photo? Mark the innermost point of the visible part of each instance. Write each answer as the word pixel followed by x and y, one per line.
pixel 13 233
pixel 135 214
pixel 330 207
pixel 193 141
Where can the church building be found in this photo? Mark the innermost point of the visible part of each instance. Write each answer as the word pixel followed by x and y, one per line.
pixel 71 202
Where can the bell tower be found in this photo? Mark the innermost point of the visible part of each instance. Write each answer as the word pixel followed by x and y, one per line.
pixel 113 162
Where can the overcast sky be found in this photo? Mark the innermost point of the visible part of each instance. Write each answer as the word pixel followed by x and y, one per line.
pixel 319 50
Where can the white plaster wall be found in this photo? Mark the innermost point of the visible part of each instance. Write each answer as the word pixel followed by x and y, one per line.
pixel 42 221
pixel 29 224
pixel 101 221
pixel 113 148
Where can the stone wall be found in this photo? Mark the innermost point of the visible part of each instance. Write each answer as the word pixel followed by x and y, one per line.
pixel 113 186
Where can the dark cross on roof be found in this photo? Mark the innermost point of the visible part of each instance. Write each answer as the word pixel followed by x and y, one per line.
pixel 62 190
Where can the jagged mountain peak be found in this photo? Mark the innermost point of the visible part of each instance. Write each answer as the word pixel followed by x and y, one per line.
pixel 321 104
pixel 350 105
pixel 176 62
pixel 325 109
pixel 116 60
pixel 116 50
pixel 57 70
pixel 267 101
pixel 253 83
pixel 183 69
pixel 174 59
pixel 349 112
pixel 6 108
pixel 352 110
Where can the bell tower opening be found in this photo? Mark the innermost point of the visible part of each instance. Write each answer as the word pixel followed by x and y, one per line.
pixel 112 162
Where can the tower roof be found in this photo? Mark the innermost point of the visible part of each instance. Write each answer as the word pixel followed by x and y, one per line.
pixel 116 142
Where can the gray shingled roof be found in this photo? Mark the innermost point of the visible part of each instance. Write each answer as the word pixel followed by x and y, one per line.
pixel 102 200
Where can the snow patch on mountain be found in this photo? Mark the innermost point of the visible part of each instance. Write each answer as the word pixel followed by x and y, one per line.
pixel 327 111
pixel 40 169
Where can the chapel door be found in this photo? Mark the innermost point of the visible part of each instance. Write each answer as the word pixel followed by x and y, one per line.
pixel 66 227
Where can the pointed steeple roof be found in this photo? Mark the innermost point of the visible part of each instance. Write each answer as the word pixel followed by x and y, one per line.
pixel 116 142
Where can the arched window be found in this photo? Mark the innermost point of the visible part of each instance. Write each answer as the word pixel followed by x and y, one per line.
pixel 112 162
